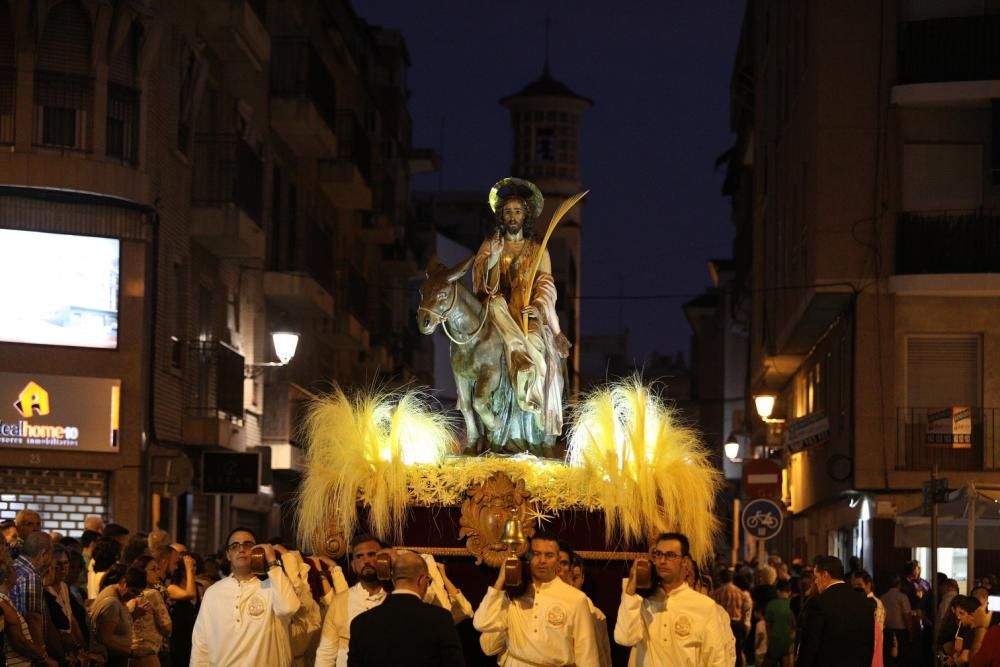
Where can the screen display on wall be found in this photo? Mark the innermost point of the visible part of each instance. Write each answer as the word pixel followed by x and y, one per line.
pixel 59 289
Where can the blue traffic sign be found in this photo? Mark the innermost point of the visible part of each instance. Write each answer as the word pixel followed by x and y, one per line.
pixel 763 518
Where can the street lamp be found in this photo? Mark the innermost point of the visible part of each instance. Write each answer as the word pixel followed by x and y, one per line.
pixel 764 402
pixel 732 448
pixel 285 342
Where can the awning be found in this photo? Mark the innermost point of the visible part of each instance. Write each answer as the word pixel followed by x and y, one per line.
pixel 913 528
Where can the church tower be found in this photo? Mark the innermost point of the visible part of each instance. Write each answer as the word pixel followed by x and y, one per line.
pixel 545 116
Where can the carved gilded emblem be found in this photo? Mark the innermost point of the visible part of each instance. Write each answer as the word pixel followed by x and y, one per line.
pixel 330 542
pixel 486 511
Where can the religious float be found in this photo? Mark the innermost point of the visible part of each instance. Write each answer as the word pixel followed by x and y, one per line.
pixel 606 473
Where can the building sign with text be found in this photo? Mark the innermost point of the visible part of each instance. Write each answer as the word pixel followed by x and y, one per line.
pixel 950 427
pixel 59 412
pixel 806 431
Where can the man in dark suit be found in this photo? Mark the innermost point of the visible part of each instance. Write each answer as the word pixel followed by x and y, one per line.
pixel 404 630
pixel 840 629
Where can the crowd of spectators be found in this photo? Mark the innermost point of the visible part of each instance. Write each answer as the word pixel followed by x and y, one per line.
pixel 117 598
pixel 770 605
pixel 108 597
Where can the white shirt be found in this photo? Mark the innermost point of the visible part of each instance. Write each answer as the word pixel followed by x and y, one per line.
pixel 93 581
pixel 682 628
pixel 336 634
pixel 245 623
pixel 548 626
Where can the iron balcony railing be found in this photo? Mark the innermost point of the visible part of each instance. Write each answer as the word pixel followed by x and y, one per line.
pixel 298 71
pixel 8 84
pixel 227 171
pixel 123 123
pixel 63 111
pixel 217 373
pixel 948 243
pixel 920 448
pixel 963 48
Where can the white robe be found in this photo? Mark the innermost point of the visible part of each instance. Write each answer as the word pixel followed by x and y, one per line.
pixel 550 625
pixel 245 623
pixel 683 628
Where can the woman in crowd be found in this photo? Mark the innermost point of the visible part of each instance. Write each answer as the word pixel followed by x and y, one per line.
pixel 63 636
pixel 105 554
pixel 182 602
pixel 151 627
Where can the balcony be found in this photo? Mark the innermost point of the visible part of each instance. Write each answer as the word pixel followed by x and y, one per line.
pixel 914 453
pixel 238 31
pixel 8 83
pixel 298 293
pixel 226 196
pixel 379 229
pixel 285 408
pixel 63 111
pixel 303 99
pixel 213 411
pixel 948 60
pixel 947 254
pixel 347 179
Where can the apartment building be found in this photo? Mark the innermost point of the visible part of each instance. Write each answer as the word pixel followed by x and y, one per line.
pixel 864 183
pixel 188 179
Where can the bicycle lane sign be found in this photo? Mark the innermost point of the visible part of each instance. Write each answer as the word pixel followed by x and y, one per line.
pixel 763 518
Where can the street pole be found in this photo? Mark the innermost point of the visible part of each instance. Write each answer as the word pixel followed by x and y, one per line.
pixel 933 573
pixel 970 540
pixel 736 532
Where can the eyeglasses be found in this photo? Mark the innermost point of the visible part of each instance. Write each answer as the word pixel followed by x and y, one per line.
pixel 665 555
pixel 236 546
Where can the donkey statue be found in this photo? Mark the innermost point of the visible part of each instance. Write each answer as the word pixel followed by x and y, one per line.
pixel 493 419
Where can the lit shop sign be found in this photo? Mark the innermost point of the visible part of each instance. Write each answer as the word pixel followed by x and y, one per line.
pixel 58 412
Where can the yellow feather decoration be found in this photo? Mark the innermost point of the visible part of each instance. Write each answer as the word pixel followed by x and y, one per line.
pixel 361 448
pixel 627 457
pixel 647 471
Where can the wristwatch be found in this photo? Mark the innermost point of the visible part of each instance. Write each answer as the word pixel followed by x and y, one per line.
pixel 274 563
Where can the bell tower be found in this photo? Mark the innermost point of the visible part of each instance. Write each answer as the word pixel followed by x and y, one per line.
pixel 545 116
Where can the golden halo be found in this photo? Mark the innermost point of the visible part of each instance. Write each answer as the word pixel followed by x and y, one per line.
pixel 511 187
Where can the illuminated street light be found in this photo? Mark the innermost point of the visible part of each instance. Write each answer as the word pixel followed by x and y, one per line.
pixel 285 343
pixel 732 448
pixel 764 404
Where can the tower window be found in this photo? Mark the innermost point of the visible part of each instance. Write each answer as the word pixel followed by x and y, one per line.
pixel 545 144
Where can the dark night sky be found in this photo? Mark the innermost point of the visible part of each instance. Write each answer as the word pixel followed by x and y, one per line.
pixel 658 73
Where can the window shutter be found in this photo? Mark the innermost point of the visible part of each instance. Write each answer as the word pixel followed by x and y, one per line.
pixel 943 371
pixel 66 42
